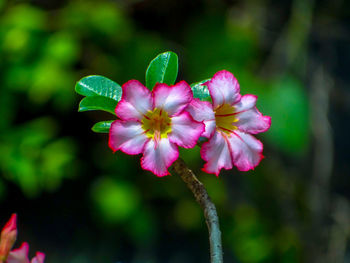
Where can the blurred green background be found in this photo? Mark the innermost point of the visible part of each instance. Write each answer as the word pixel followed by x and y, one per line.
pixel 78 202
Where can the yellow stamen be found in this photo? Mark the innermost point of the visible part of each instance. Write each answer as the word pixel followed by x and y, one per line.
pixel 225 117
pixel 156 124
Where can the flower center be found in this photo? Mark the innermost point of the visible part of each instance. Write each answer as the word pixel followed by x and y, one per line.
pixel 156 124
pixel 225 117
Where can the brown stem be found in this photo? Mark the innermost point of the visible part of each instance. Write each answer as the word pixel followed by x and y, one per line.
pixel 202 197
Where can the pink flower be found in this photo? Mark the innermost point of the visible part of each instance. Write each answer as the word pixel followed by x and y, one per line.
pixel 8 238
pixel 229 122
pixel 20 255
pixel 155 124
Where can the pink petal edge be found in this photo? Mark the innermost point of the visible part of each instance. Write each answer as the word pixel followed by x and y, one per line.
pixel 246 150
pixel 136 101
pixel 224 88
pixel 8 236
pixel 203 111
pixel 11 224
pixel 250 119
pixel 19 255
pixel 127 136
pixel 217 154
pixel 158 158
pixel 173 99
pixel 39 258
pixel 185 131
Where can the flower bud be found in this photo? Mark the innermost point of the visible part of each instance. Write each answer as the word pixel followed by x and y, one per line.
pixel 8 237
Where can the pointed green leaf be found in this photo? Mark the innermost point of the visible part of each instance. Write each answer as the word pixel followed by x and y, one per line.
pixel 102 126
pixel 162 69
pixel 98 103
pixel 98 86
pixel 201 91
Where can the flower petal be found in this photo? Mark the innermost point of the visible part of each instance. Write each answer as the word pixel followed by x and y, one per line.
pixel 217 153
pixel 10 225
pixel 135 102
pixel 246 150
pixel 39 258
pixel 127 136
pixel 173 99
pixel 249 118
pixel 203 111
pixel 185 131
pixel 19 255
pixel 224 88
pixel 157 157
pixel 8 236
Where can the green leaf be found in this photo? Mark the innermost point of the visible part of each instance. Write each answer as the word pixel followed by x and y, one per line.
pixel 162 69
pixel 98 103
pixel 102 126
pixel 98 86
pixel 201 91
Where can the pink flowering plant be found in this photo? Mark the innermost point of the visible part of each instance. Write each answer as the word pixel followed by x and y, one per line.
pixel 229 122
pixel 154 124
pixel 156 119
pixel 7 240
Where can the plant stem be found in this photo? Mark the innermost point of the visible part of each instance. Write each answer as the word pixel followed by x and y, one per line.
pixel 207 205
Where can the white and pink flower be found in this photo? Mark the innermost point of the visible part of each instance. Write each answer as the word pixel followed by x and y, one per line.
pixel 19 255
pixel 155 124
pixel 229 122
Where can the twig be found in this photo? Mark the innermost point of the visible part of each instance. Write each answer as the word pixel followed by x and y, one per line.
pixel 207 205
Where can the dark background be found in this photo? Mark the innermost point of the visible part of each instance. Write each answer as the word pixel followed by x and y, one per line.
pixel 78 202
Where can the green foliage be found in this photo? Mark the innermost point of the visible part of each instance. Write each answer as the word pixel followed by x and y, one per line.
pixel 200 91
pixel 116 200
pixel 249 238
pixel 41 59
pixel 62 47
pixel 36 161
pixel 102 127
pixel 104 94
pixel 234 45
pixel 162 69
pixel 101 94
pixel 98 103
pixel 99 86
pixel 26 17
pixel 289 111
